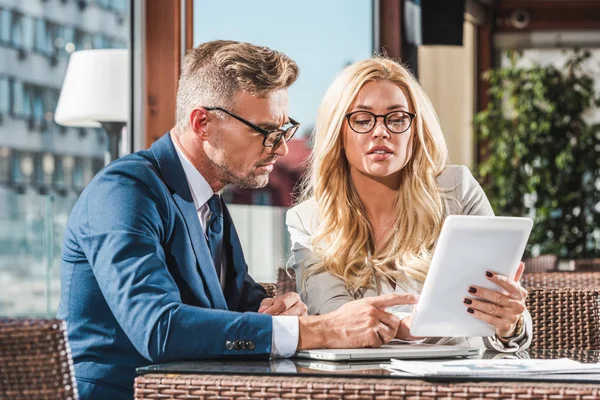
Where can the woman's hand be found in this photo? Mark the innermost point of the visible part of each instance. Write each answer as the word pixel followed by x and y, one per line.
pixel 501 310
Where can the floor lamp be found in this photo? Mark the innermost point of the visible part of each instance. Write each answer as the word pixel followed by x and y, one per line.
pixel 95 93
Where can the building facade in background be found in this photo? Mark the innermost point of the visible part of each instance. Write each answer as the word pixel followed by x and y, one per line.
pixel 44 166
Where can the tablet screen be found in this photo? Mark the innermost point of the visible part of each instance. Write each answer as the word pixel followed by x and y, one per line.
pixel 468 246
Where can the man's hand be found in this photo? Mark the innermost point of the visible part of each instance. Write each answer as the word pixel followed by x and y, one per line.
pixel 286 304
pixel 360 323
pixel 404 329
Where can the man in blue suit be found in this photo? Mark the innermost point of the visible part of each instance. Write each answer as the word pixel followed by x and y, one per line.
pixel 152 267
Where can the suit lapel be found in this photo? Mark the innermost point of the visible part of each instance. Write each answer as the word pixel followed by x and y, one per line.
pixel 236 264
pixel 174 176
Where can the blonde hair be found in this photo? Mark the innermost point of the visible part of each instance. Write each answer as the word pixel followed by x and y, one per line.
pixel 214 72
pixel 344 238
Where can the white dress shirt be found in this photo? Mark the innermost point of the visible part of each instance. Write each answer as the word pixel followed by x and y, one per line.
pixel 284 340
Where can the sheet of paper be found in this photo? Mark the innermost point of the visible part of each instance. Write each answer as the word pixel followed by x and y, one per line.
pixel 492 368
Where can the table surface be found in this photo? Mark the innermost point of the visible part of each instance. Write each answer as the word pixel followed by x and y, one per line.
pixel 367 369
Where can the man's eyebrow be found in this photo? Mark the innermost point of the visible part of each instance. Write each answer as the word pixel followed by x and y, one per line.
pixel 270 126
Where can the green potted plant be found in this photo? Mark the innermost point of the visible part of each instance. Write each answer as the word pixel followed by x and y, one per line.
pixel 540 153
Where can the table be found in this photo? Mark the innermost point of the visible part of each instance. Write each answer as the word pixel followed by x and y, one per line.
pixel 306 379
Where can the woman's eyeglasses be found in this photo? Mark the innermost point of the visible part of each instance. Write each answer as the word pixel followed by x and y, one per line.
pixel 365 121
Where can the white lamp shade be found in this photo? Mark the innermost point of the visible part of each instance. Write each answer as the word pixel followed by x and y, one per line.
pixel 95 89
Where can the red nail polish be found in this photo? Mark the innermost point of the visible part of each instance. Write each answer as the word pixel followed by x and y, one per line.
pixel 489 274
pixel 472 290
pixel 467 301
pixel 470 310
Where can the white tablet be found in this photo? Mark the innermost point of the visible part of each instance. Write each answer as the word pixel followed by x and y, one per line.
pixel 467 247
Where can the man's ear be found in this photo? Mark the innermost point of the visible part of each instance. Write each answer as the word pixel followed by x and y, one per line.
pixel 199 122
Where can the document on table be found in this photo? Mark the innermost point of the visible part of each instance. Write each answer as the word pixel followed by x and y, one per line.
pixel 491 368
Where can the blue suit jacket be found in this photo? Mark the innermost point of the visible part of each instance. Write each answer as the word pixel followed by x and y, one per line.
pixel 138 282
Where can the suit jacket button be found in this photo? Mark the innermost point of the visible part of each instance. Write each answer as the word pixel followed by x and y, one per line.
pixel 238 345
pixel 250 345
pixel 229 344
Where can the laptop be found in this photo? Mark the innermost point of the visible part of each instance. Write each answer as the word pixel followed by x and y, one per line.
pixel 391 350
pixel 338 366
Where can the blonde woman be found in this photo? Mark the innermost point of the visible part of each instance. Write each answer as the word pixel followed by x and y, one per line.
pixel 374 201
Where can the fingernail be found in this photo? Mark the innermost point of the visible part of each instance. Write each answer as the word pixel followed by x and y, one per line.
pixel 467 301
pixel 470 310
pixel 489 274
pixel 472 290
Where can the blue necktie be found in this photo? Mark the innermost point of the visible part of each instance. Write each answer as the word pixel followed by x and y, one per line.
pixel 215 231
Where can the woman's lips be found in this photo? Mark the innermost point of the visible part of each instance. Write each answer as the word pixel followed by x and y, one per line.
pixel 380 154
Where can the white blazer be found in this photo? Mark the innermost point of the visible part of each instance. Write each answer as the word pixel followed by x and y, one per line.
pixel 325 293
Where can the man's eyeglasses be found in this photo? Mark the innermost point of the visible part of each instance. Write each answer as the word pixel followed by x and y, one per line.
pixel 271 137
pixel 365 121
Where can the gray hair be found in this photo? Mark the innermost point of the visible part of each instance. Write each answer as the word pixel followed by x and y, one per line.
pixel 214 72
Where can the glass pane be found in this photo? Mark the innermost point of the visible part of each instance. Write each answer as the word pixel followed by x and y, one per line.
pixel 28 33
pixel 4 165
pixel 322 37
pixel 65 41
pixel 4 95
pixel 22 261
pixel 5 25
pixel 38 106
pixel 322 42
pixel 43 166
pixel 17 31
pixel 17 99
pixel 40 35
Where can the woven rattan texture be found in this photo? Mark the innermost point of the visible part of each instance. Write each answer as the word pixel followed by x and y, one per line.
pixel 576 280
pixel 543 263
pixel 588 265
pixel 35 360
pixel 565 318
pixel 583 356
pixel 270 288
pixel 261 387
pixel 286 280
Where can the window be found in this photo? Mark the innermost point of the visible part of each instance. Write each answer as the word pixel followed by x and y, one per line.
pixel 39 168
pixel 322 37
pixel 5 26
pixel 65 41
pixel 106 4
pixel 4 165
pixel 21 101
pixel 83 40
pixel 28 31
pixel 16 30
pixel 59 175
pixel 118 44
pixel 38 173
pixel 4 95
pixel 78 174
pixel 37 103
pixel 102 42
pixel 340 33
pixel 50 100
pixel 43 41
pixel 22 167
pixel 120 5
pixel 52 39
